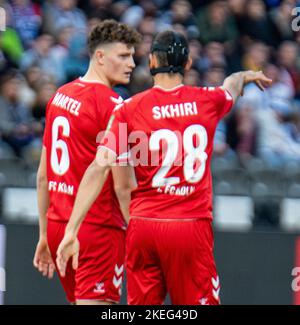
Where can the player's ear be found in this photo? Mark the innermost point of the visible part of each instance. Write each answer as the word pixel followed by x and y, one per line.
pixel 99 56
pixel 188 64
pixel 152 61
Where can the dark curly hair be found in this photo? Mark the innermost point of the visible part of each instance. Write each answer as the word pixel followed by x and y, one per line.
pixel 109 31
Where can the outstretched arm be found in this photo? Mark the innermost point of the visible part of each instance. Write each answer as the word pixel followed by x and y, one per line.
pixel 236 82
pixel 89 189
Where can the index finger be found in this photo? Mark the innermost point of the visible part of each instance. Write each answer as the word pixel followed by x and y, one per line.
pixel 265 79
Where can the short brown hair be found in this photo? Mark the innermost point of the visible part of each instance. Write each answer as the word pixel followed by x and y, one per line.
pixel 110 31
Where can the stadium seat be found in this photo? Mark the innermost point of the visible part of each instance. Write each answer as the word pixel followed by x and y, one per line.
pixel 5 151
pixel 31 179
pixel 221 163
pixel 293 184
pixel 267 183
pixel 14 171
pixel 234 181
pixel 254 165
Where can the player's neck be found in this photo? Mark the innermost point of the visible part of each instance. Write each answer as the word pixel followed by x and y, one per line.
pixel 166 81
pixel 96 76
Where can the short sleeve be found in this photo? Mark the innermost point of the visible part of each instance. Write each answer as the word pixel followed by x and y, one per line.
pixel 105 105
pixel 222 99
pixel 47 124
pixel 116 134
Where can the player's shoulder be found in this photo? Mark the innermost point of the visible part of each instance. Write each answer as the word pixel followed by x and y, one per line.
pixel 211 92
pixel 68 86
pixel 140 97
pixel 92 88
pixel 204 90
pixel 132 102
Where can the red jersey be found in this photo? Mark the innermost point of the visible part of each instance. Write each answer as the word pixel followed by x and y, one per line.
pixel 170 137
pixel 76 113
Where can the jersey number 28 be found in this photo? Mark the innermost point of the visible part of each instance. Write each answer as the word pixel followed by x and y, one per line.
pixel 193 153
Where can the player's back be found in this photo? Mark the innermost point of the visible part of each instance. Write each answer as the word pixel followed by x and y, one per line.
pixel 175 182
pixel 75 115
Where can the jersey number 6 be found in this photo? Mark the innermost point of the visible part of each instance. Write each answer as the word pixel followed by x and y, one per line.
pixel 62 166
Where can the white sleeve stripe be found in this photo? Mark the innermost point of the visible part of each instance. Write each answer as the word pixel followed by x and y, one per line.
pixel 227 94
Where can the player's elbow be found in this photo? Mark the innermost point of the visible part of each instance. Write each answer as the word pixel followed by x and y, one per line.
pixel 123 189
pixel 123 193
pixel 96 168
pixel 104 159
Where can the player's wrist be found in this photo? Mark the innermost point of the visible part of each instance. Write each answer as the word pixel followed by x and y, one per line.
pixel 246 77
pixel 71 231
pixel 43 236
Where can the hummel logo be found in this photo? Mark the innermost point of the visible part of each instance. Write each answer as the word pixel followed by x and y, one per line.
pixel 99 287
pixel 215 282
pixel 119 270
pixel 117 280
pixel 216 293
pixel 117 101
pixel 203 301
pixel 216 287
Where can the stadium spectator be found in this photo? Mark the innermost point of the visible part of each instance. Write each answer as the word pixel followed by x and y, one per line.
pixel 216 24
pixel 15 119
pixel 288 61
pixel 257 24
pixel 27 18
pixel 41 56
pixel 231 35
pixel 63 13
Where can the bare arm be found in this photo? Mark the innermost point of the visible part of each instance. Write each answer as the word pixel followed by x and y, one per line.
pixel 236 82
pixel 42 258
pixel 42 194
pixel 89 188
pixel 124 183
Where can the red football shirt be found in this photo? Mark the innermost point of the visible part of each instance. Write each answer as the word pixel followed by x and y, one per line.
pixel 170 137
pixel 76 113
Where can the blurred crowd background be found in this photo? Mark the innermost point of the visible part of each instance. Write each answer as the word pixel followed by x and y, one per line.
pixel 44 46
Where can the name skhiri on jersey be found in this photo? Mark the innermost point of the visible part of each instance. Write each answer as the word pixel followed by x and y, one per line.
pixel 174 110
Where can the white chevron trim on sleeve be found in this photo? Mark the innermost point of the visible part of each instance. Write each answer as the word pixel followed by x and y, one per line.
pixel 119 270
pixel 215 282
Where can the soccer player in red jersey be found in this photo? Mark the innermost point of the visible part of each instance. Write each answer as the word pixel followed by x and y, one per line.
pixel 76 113
pixel 169 243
